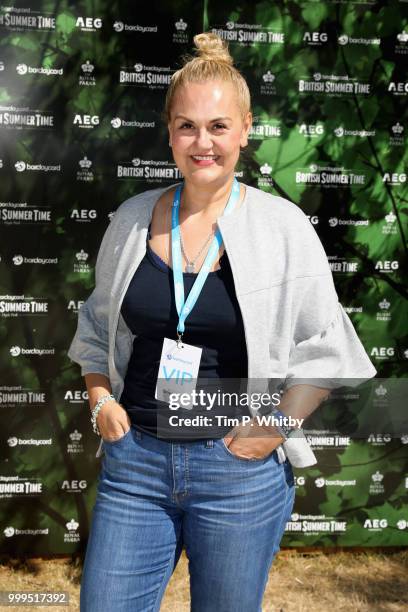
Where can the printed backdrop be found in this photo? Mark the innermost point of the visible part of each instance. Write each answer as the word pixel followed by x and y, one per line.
pixel 82 87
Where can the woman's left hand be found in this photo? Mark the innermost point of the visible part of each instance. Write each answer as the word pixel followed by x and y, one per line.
pixel 253 441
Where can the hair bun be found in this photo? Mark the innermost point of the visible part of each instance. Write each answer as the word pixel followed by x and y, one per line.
pixel 211 47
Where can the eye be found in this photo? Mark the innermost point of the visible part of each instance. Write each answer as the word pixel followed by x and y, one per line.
pixel 220 126
pixel 186 124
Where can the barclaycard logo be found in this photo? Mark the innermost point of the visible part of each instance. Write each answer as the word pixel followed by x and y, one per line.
pixel 172 357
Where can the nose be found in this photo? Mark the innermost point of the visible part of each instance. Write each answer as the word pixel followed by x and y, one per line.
pixel 204 141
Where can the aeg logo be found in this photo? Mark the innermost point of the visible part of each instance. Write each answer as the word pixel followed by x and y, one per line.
pixel 86 121
pixel 89 24
pixel 386 265
pixel 315 37
pixel 84 214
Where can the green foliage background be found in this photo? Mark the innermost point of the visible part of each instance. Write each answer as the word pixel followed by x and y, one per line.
pixel 68 47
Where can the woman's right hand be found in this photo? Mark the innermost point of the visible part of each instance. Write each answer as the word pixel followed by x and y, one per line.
pixel 113 421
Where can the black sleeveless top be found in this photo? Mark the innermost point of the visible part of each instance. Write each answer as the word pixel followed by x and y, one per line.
pixel 214 324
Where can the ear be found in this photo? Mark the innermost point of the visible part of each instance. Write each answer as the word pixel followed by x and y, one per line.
pixel 246 126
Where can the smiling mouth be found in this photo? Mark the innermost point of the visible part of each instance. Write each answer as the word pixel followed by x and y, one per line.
pixel 205 157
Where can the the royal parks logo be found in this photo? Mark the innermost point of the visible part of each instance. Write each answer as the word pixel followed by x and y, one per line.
pixel 401 43
pixel 390 225
pixel 81 265
pixel 377 485
pixel 268 85
pixel 180 32
pixel 75 445
pixel 84 172
pixel 397 135
pixel 384 310
pixel 72 533
pixel 265 178
pixel 87 77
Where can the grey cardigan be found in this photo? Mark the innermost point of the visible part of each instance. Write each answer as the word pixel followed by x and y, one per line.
pixel 295 327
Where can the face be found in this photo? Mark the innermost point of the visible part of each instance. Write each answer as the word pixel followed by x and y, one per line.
pixel 206 123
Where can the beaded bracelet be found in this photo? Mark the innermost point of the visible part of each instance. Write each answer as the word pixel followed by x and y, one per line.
pixel 94 413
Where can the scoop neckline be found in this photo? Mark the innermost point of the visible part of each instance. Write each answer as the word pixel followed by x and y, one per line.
pixel 224 219
pixel 151 253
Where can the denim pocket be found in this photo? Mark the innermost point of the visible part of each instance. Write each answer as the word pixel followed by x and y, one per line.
pixel 253 459
pixel 107 443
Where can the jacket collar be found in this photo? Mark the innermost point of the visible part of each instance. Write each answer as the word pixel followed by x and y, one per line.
pixel 229 219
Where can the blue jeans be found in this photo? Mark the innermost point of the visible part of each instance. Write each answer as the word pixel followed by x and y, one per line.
pixel 156 496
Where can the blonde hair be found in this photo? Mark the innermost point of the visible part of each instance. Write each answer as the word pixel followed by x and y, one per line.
pixel 212 62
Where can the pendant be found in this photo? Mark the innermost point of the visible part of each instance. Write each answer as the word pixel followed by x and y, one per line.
pixel 190 267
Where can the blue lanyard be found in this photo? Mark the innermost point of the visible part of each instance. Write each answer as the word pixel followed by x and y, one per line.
pixel 185 307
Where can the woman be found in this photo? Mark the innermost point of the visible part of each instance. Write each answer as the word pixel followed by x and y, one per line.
pixel 236 280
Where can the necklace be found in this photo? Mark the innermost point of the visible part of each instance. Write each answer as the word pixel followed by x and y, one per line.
pixel 190 264
pixel 190 267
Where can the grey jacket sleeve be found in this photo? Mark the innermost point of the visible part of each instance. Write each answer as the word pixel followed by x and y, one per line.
pixel 89 346
pixel 325 346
